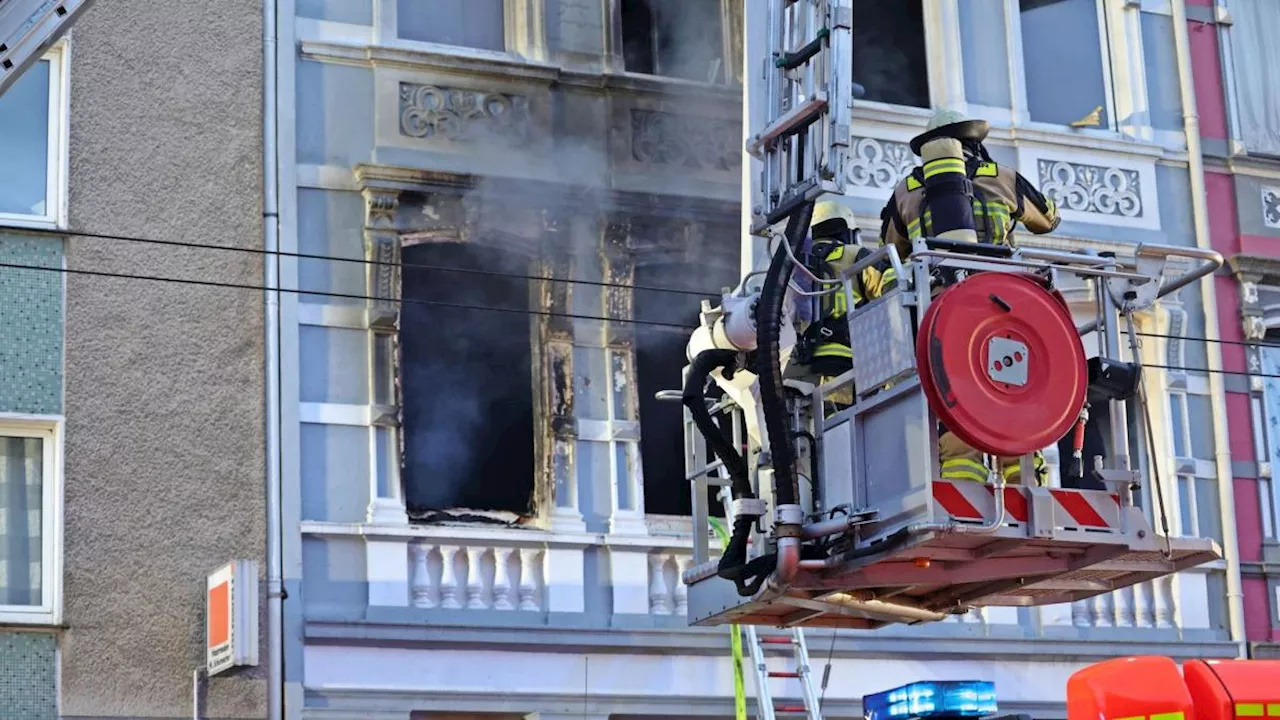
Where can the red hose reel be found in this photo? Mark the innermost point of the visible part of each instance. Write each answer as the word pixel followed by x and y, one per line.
pixel 1001 363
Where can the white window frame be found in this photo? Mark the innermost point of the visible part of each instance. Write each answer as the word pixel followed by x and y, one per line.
pixel 523 29
pixel 49 430
pixel 55 205
pixel 1124 76
pixel 1187 469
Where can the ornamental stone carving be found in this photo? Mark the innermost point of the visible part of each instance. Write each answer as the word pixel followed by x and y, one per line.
pixel 1092 188
pixel 879 164
pixel 700 143
pixel 1249 291
pixel 1271 207
pixel 430 111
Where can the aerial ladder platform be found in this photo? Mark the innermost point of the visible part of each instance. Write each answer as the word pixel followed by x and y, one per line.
pixel 28 28
pixel 839 511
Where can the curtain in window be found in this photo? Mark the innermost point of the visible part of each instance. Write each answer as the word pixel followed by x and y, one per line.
pixel 1256 56
pixel 1271 401
pixel 21 478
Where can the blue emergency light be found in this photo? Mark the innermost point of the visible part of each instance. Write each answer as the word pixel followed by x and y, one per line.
pixel 949 699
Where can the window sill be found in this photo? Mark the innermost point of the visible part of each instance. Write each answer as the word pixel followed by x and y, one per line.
pixel 29 621
pixel 19 222
pixel 1010 131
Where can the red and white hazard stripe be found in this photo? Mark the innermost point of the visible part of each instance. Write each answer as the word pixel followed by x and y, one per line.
pixel 975 502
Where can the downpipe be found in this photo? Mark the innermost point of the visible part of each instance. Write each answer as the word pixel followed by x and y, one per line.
pixel 1213 350
pixel 271 325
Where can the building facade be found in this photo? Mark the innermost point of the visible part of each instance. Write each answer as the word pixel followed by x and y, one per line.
pixel 1236 107
pixel 130 410
pixel 464 535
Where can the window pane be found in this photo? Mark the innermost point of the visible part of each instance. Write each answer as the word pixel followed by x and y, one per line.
pixel 1256 56
pixel 21 497
pixel 1178 425
pixel 1200 419
pixel 24 143
pixel 986 53
pixel 888 51
pixel 674 38
pixel 465 23
pixel 1186 503
pixel 1062 59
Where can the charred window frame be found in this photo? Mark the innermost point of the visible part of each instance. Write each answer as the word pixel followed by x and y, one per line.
pixel 695 40
pixel 453 388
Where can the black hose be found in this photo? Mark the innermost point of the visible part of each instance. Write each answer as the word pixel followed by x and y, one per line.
pixel 733 565
pixel 695 399
pixel 769 368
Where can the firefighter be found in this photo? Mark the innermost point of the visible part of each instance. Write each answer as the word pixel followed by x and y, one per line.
pixel 970 196
pixel 960 193
pixel 834 245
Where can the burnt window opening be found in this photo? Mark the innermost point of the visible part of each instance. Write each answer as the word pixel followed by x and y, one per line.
pixel 466 382
pixel 674 38
pixel 660 358
pixel 889 58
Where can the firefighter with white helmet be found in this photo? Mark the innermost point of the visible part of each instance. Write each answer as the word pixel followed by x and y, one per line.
pixel 960 193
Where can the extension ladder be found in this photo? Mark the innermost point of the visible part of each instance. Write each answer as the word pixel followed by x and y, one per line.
pixel 766 707
pixel 808 81
pixel 28 28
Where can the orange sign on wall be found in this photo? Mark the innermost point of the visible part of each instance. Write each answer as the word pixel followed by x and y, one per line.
pixel 231 617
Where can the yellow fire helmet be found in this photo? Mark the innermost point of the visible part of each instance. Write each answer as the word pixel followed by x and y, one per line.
pixel 831 217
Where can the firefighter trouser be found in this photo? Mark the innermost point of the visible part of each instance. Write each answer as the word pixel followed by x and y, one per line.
pixel 961 462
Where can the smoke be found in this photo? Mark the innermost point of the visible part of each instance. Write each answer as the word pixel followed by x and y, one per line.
pixel 470 416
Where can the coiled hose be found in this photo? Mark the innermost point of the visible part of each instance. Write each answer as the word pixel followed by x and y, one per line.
pixel 747 576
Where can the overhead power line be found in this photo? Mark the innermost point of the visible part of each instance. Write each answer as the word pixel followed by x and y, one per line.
pixel 464 306
pixel 350 296
pixel 360 261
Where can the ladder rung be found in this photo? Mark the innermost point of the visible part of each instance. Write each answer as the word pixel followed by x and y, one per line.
pixel 792 121
pixel 790 708
pixel 784 674
pixel 776 640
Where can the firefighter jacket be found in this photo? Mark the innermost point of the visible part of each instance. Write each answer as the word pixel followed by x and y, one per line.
pixel 1001 198
pixel 961 462
pixel 825 343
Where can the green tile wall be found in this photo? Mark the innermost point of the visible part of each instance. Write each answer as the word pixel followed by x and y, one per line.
pixel 28 680
pixel 30 326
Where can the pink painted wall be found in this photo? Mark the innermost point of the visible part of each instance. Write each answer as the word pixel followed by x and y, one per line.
pixel 1257 611
pixel 1248 519
pixel 1210 96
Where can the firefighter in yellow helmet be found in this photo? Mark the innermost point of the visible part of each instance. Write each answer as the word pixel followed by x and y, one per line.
pixel 960 193
pixel 833 247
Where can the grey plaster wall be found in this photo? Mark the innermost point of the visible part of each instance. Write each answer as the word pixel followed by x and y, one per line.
pixel 1251 204
pixel 164 395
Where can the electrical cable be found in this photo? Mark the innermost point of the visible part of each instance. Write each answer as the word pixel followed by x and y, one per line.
pixel 62 234
pixel 570 316
pixel 349 296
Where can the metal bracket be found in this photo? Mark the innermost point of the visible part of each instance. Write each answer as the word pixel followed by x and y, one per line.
pixel 1007 361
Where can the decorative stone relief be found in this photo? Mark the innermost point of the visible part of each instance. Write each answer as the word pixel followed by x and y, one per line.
pixel 1271 207
pixel 701 143
pixel 878 164
pixel 429 111
pixel 1092 188
pixel 382 252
